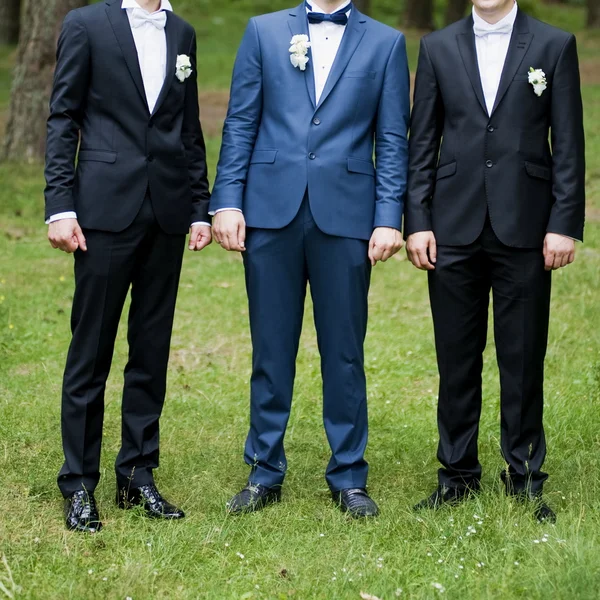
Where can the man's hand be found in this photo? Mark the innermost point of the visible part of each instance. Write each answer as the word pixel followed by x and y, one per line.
pixel 66 235
pixel 200 237
pixel 559 251
pixel 422 250
pixel 229 228
pixel 385 242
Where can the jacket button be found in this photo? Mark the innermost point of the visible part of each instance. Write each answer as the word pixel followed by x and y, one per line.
pixel 491 128
pixel 150 158
pixel 489 164
pixel 317 121
pixel 312 156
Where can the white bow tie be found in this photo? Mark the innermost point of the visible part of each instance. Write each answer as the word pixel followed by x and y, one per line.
pixel 140 17
pixel 483 29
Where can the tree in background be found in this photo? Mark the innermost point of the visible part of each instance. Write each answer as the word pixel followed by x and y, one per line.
pixel 456 10
pixel 10 11
pixel 593 13
pixel 26 128
pixel 418 14
pixel 363 5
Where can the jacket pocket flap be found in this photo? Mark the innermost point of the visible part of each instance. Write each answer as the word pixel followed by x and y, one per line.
pixel 360 165
pixel 98 155
pixel 263 157
pixel 446 170
pixel 361 74
pixel 539 171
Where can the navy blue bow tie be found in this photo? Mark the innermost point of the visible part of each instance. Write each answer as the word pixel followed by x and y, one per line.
pixel 339 18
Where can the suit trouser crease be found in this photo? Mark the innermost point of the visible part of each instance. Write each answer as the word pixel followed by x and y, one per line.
pixel 459 292
pixel 146 259
pixel 279 264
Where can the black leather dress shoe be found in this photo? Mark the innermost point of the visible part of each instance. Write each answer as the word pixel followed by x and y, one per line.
pixel 148 497
pixel 81 513
pixel 541 511
pixel 356 502
pixel 444 496
pixel 252 498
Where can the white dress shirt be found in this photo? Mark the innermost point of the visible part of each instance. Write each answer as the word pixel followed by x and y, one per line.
pixel 325 39
pixel 492 43
pixel 151 45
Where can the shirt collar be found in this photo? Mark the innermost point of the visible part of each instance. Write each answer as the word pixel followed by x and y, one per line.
pixel 164 5
pixel 510 18
pixel 316 8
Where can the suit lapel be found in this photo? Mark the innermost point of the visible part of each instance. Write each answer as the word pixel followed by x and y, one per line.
pixel 468 52
pixel 298 24
pixel 171 33
pixel 355 30
pixel 519 44
pixel 120 24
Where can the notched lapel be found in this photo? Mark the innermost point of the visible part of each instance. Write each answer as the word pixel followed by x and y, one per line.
pixel 355 30
pixel 298 24
pixel 171 33
pixel 122 30
pixel 519 44
pixel 468 53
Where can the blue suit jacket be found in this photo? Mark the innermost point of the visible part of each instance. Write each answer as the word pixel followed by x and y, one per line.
pixel 277 142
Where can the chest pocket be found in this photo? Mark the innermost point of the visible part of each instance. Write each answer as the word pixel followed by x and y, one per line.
pixel 360 74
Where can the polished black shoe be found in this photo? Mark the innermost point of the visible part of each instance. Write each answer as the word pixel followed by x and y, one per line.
pixel 252 498
pixel 149 498
pixel 446 496
pixel 541 511
pixel 81 513
pixel 356 502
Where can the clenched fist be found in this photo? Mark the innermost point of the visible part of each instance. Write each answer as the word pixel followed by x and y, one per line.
pixel 66 235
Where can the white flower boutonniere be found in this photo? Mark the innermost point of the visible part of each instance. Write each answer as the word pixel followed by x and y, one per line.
pixel 183 67
pixel 298 51
pixel 537 78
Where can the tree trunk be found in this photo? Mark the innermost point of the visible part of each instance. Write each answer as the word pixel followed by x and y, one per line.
pixel 25 135
pixel 593 13
pixel 10 11
pixel 455 10
pixel 419 15
pixel 364 6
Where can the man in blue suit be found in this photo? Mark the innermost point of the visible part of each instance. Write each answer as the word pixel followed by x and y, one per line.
pixel 315 90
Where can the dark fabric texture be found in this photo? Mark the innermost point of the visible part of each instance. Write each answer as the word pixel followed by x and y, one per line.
pixel 459 291
pixel 524 165
pixel 147 260
pixel 99 104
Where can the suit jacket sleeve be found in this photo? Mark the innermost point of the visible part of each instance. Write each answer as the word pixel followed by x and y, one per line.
pixel 67 103
pixel 568 146
pixel 193 141
pixel 241 126
pixel 391 144
pixel 425 137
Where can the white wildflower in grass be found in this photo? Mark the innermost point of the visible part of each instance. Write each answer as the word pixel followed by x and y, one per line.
pixel 240 555
pixel 399 592
pixel 429 554
pixel 536 541
pixel 440 561
pixel 90 571
pixel 461 566
pixel 321 535
pixel 439 587
pixel 479 565
pixel 517 563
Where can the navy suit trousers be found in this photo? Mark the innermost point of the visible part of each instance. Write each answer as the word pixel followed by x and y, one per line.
pixel 279 263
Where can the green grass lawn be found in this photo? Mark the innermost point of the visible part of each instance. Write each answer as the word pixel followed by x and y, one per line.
pixel 303 548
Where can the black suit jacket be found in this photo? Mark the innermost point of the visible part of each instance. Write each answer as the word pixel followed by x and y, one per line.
pixel 99 105
pixel 524 164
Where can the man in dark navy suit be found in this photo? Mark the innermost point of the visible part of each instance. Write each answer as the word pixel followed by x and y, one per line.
pixel 315 90
pixel 125 92
pixel 496 201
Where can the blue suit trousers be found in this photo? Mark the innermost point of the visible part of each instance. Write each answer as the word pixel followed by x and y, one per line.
pixel 279 263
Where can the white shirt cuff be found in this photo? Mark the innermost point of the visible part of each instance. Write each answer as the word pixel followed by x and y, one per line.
pixel 216 212
pixel 61 216
pixel 201 223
